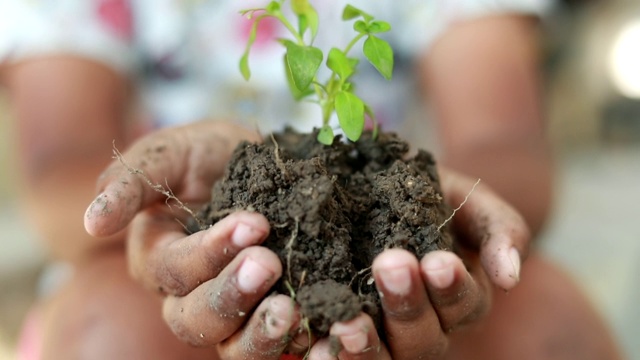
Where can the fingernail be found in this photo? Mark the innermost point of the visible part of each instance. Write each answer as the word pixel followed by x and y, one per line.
pixel 99 206
pixel 244 236
pixel 354 343
pixel 352 335
pixel 397 280
pixel 514 258
pixel 440 273
pixel 252 276
pixel 277 323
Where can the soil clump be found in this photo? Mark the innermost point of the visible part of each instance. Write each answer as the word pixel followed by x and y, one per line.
pixel 332 209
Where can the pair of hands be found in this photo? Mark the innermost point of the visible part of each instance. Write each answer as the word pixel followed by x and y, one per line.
pixel 214 282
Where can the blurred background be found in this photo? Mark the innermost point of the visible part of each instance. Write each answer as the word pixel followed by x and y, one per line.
pixel 593 97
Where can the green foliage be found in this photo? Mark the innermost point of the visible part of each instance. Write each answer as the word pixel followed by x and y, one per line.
pixel 302 64
pixel 350 110
pixel 303 61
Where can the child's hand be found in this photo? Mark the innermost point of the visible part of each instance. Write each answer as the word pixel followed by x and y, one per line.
pixel 212 280
pixel 424 301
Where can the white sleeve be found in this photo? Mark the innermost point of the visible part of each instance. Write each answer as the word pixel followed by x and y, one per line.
pixel 421 22
pixel 77 27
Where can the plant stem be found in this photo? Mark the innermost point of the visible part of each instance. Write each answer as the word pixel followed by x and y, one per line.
pixel 330 88
pixel 290 27
pixel 353 42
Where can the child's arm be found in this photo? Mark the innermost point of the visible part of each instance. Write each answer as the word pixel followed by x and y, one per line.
pixel 68 111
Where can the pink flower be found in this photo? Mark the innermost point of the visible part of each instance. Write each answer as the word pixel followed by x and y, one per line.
pixel 269 29
pixel 116 16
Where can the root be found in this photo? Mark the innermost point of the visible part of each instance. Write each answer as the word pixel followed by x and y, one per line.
pixel 289 247
pixel 302 277
pixel 459 206
pixel 279 163
pixel 280 226
pixel 305 324
pixel 292 291
pixel 361 272
pixel 185 227
pixel 166 191
pixel 370 280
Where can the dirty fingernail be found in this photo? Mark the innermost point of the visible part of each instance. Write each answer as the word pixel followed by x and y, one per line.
pixel 278 318
pixel 397 280
pixel 97 205
pixel 514 258
pixel 440 273
pixel 245 235
pixel 252 276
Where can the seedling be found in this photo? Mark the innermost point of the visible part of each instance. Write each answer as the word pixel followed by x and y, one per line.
pixel 302 62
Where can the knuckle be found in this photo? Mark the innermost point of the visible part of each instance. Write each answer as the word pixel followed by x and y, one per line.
pixel 185 333
pixel 404 311
pixel 480 310
pixel 170 280
pixel 450 299
pixel 463 313
pixel 227 302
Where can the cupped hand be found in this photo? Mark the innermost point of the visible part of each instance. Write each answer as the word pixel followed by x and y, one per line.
pixel 209 303
pixel 213 282
pixel 425 299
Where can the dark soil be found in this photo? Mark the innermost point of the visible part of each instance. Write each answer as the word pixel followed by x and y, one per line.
pixel 332 209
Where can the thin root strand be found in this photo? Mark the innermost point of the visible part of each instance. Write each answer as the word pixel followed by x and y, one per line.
pixel 167 192
pixel 459 206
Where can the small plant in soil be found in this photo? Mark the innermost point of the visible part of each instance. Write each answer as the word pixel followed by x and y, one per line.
pixel 303 60
pixel 333 204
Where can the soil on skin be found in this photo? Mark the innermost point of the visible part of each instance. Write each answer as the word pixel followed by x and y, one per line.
pixel 332 209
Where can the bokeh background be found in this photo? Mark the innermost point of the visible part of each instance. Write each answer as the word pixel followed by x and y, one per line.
pixel 592 69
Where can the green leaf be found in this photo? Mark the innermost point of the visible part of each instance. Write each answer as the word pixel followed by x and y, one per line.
pixel 295 92
pixel 307 16
pixel 361 27
pixel 351 12
pixel 273 7
pixel 314 21
pixel 350 110
pixel 339 63
pixel 299 7
pixel 325 136
pixel 303 25
pixel 374 27
pixel 244 60
pixel 380 54
pixel 244 66
pixel 302 63
pixel 379 27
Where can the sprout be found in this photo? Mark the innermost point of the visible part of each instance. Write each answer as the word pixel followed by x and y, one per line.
pixel 303 60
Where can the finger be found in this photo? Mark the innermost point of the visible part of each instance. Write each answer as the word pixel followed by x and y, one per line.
pixel 356 339
pixel 162 258
pixel 412 325
pixel 216 309
pixel 182 161
pixel 267 333
pixel 359 339
pixel 322 350
pixel 488 223
pixel 300 344
pixel 459 294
